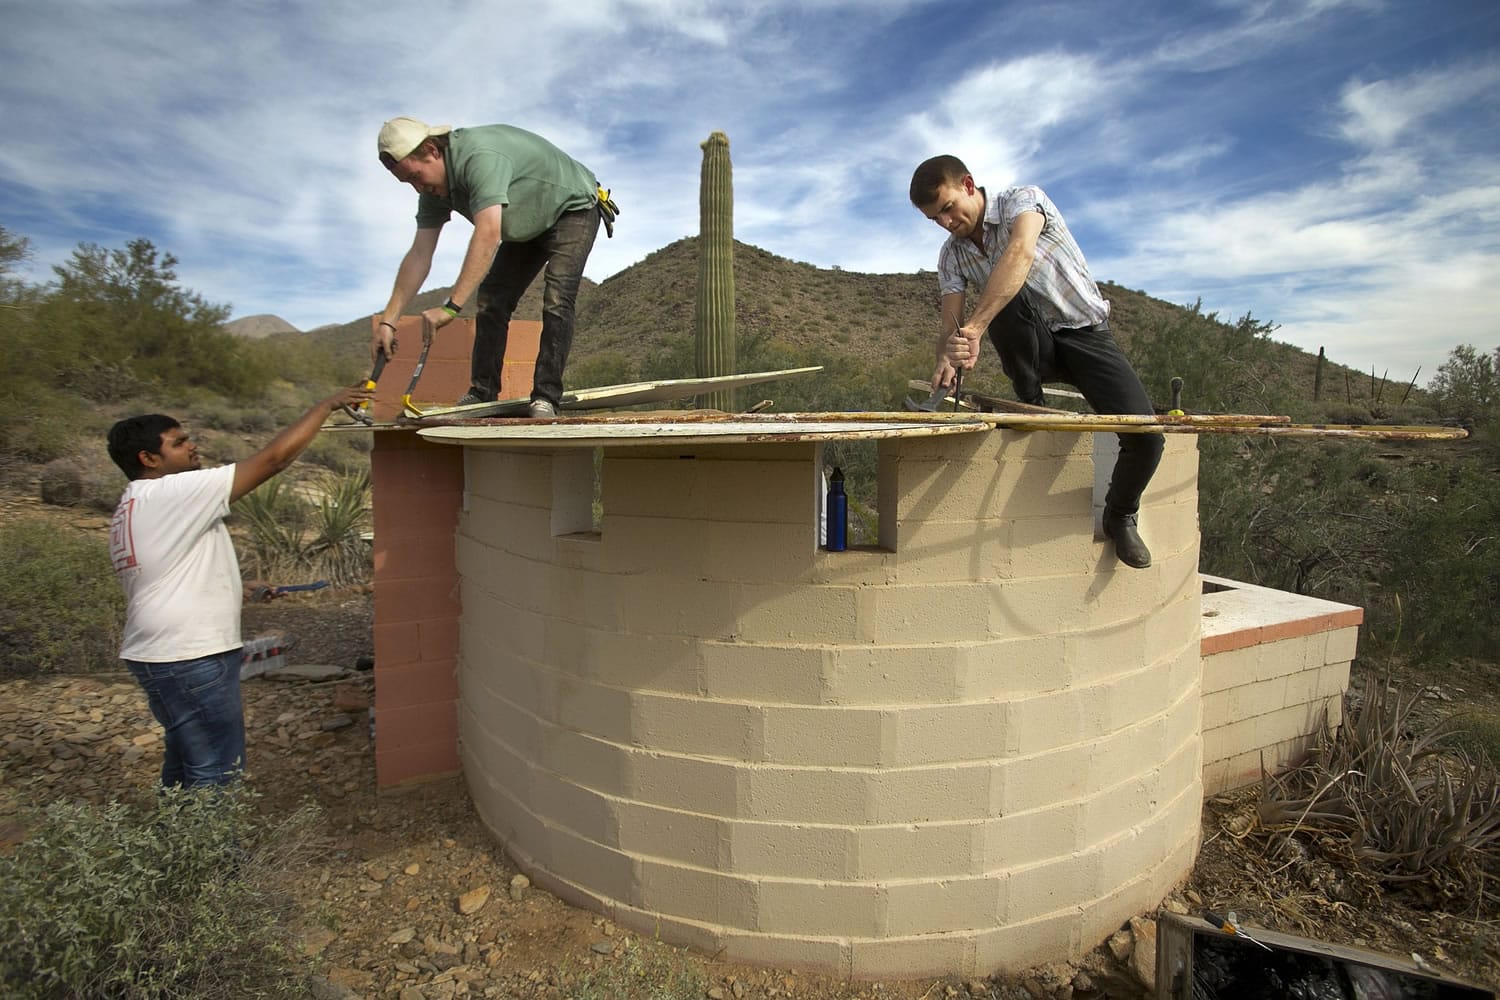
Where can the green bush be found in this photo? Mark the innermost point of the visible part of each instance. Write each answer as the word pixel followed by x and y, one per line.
pixel 60 606
pixel 161 900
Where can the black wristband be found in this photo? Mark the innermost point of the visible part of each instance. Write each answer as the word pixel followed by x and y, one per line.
pixel 386 322
pixel 453 307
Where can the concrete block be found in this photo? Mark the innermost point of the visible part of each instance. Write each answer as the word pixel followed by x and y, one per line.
pixel 1341 646
pixel 781 673
pixel 1128 752
pixel 584 760
pixel 755 553
pixel 1049 546
pixel 672 835
pixel 582 811
pixel 863 567
pixel 923 955
pixel 691 784
pixel 682 607
pixel 821 909
pixel 916 614
pixel 1121 807
pixel 827 955
pixel 773 613
pixel 1043 889
pixel 1040 606
pixel 664 663
pixel 819 736
pixel 699 894
pixel 509 477
pixel 1256 698
pixel 747 491
pixel 1054 486
pixel 646 546
pixel 1040 780
pixel 594 709
pixel 914 851
pixel 1216 710
pixel 1007 667
pixel 1057 719
pixel 1222 671
pixel 949 733
pixel 952 551
pixel 696 726
pixel 929 794
pixel 788 850
pixel 609 872
pixel 1287 656
pixel 1022 839
pixel 892 675
pixel 955 904
pixel 706 939
pixel 1020 945
pixel 773 793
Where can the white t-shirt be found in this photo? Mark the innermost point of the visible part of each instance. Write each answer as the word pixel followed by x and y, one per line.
pixel 177 564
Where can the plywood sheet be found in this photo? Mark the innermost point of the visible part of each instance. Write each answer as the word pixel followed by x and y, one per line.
pixel 595 434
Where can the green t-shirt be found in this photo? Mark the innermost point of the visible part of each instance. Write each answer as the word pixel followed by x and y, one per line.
pixel 509 166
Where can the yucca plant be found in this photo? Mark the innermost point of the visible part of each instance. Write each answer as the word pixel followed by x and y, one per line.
pixel 291 537
pixel 337 551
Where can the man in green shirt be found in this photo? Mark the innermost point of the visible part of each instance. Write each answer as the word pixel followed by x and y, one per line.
pixel 532 207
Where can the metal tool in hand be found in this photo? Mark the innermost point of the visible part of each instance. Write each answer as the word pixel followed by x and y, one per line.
pixel 607 210
pixel 932 402
pixel 361 413
pixel 421 363
pixel 1176 410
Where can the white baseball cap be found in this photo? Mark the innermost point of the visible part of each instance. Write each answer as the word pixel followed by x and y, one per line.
pixel 399 137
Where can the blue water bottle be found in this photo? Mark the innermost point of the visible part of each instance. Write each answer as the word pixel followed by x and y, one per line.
pixel 838 513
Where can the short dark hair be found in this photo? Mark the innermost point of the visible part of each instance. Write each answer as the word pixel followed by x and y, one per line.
pixel 932 174
pixel 133 435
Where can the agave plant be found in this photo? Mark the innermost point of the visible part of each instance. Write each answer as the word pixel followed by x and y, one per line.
pixel 1395 798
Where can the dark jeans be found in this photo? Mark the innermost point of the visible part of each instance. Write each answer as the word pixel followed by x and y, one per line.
pixel 198 704
pixel 1089 358
pixel 562 250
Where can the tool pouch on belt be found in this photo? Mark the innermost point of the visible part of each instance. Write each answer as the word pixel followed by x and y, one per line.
pixel 607 211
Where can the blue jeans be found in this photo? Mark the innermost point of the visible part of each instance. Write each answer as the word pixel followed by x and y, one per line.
pixel 563 250
pixel 198 703
pixel 1088 357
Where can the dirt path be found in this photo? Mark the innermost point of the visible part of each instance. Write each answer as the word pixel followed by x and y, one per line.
pixel 407 895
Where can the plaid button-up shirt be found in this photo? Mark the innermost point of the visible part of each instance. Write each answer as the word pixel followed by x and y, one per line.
pixel 1059 275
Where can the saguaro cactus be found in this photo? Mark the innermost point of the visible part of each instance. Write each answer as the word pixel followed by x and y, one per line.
pixel 715 307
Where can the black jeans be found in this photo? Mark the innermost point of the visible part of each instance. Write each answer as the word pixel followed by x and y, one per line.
pixel 1087 357
pixel 563 250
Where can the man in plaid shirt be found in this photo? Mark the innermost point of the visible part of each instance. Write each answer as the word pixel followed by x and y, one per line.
pixel 1043 313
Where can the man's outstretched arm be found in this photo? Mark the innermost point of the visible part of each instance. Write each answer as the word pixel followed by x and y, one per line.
pixel 286 446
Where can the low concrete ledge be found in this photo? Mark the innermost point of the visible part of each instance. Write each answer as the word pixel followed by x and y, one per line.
pixel 1274 666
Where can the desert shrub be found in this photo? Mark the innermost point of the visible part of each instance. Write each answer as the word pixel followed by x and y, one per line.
pixel 60 606
pixel 39 423
pixel 162 900
pixel 338 452
pixel 645 970
pixel 1397 800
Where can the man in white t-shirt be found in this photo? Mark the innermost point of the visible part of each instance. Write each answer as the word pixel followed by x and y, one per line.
pixel 177 564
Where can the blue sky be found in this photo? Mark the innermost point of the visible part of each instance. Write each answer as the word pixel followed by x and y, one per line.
pixel 1332 166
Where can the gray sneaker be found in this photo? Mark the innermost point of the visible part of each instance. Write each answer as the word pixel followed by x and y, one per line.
pixel 470 398
pixel 542 409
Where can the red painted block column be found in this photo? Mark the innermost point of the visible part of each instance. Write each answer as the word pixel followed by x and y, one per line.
pixel 418 489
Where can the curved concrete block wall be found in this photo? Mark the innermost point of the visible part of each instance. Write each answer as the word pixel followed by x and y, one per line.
pixel 974 748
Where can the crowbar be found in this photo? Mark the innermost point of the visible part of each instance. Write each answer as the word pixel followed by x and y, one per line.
pixel 416 373
pixel 361 414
